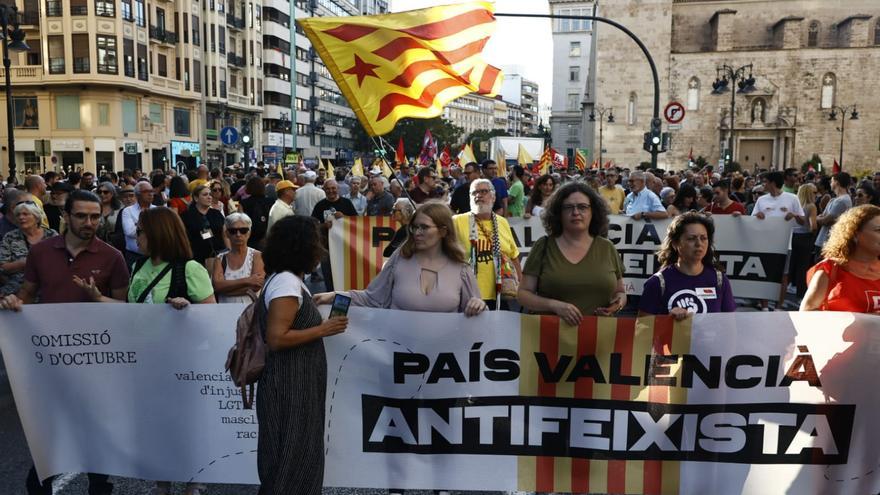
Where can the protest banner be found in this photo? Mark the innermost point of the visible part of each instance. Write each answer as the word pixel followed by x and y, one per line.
pixel 751 403
pixel 752 252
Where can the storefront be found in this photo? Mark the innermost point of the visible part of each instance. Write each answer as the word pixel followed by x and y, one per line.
pixel 69 154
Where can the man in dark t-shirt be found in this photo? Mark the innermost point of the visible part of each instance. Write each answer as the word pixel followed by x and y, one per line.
pixel 333 206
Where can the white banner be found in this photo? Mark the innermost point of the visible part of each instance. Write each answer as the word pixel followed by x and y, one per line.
pixel 751 403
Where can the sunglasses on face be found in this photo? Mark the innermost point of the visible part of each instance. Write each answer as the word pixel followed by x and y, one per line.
pixel 104 191
pixel 216 189
pixel 239 231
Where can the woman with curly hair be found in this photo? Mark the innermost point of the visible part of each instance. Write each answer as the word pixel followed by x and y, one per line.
pixel 850 273
pixel 542 190
pixel 574 270
pixel 690 280
pixel 685 200
pixel 291 396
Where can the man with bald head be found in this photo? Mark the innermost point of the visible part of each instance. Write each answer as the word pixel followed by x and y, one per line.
pixel 328 209
pixel 203 177
pixel 35 185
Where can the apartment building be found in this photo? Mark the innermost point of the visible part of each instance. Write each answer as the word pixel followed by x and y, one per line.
pixel 472 112
pixel 522 92
pixel 304 111
pixel 109 84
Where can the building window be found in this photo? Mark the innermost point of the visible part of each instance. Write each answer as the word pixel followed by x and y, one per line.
pixel 25 112
pixel 103 114
pixel 54 8
pixel 813 35
pixel 105 8
pixel 56 54
pixel 185 27
pixel 79 7
pixel 574 74
pixel 221 36
pixel 877 33
pixel 67 112
pixel 129 116
pixel 571 25
pixel 197 76
pixel 186 78
pixel 631 109
pixel 572 103
pixel 196 30
pixel 574 49
pixel 693 101
pixel 222 83
pixel 156 114
pixel 81 56
pixel 181 121
pixel 107 62
pixel 140 16
pixel 128 56
pixel 143 75
pixel 162 62
pixel 127 14
pixel 829 89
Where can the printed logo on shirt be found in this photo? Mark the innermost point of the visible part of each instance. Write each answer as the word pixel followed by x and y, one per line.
pixel 706 293
pixel 873 297
pixel 689 300
pixel 484 251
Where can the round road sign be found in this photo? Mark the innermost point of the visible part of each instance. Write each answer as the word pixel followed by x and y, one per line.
pixel 674 112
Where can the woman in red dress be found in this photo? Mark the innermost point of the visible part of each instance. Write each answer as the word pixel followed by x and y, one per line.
pixel 848 279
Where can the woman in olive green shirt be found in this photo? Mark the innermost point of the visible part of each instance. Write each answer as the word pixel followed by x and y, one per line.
pixel 573 271
pixel 516 193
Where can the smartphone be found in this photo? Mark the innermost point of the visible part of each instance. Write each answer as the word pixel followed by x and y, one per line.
pixel 340 305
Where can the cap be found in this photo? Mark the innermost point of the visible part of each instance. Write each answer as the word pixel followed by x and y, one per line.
pixel 126 189
pixel 61 187
pixel 285 184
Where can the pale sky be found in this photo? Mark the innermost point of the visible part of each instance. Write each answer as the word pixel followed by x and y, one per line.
pixel 524 43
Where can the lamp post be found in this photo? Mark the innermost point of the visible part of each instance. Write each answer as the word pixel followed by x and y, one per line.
pixel 725 77
pixel 601 110
pixel 843 111
pixel 13 39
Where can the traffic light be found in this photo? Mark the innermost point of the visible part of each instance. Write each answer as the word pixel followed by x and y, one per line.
pixel 654 138
pixel 245 132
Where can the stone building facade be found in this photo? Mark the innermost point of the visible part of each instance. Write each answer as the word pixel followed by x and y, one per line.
pixel 807 57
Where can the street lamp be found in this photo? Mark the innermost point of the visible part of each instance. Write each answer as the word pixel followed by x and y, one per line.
pixel 601 110
pixel 843 111
pixel 725 77
pixel 13 39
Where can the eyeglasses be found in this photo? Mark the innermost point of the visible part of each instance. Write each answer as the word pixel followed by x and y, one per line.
pixel 216 189
pixel 580 207
pixel 416 229
pixel 480 192
pixel 104 191
pixel 239 231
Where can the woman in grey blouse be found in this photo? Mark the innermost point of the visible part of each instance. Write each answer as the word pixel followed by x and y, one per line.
pixel 427 273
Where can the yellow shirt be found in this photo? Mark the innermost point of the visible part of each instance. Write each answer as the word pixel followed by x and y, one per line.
pixel 485 260
pixel 614 197
pixel 39 202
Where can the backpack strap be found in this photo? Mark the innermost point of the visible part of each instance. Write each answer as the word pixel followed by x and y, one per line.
pixel 224 263
pixel 143 296
pixel 662 280
pixel 719 278
pixel 178 286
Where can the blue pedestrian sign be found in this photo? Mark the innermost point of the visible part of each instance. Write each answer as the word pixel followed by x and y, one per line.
pixel 229 135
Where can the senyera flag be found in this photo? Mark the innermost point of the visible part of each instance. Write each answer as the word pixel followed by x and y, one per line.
pixel 408 64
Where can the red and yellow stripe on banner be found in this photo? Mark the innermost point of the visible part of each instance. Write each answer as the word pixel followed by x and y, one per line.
pixel 362 253
pixel 633 339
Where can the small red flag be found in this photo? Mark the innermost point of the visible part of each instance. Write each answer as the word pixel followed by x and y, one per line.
pixel 835 168
pixel 400 154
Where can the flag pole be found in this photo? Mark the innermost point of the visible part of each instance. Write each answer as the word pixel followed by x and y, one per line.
pixel 655 121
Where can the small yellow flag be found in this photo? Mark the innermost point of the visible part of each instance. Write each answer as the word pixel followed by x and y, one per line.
pixel 467 155
pixel 358 169
pixel 280 170
pixel 501 161
pixel 386 170
pixel 331 174
pixel 523 157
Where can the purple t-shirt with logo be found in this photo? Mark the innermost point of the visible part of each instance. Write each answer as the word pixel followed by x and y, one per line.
pixel 697 294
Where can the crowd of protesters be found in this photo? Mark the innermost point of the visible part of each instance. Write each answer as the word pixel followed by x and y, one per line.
pixel 234 235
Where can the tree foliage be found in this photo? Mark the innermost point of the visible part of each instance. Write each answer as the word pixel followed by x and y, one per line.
pixel 412 131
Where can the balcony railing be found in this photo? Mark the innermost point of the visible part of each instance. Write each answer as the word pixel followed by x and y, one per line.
pixel 108 69
pixel 54 8
pixel 28 72
pixel 162 35
pixel 235 60
pixel 56 65
pixel 234 22
pixel 79 10
pixel 81 65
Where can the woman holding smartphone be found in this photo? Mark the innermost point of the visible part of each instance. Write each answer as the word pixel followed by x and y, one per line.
pixel 427 273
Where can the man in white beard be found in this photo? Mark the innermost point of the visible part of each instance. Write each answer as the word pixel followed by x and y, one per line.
pixel 487 242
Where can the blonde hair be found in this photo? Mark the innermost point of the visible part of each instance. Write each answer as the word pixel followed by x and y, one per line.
pixel 807 194
pixel 842 240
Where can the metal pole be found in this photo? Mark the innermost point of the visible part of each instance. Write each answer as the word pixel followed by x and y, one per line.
pixel 655 121
pixel 732 117
pixel 9 112
pixel 601 129
pixel 842 130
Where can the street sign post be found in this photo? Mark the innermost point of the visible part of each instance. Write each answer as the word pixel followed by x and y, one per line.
pixel 229 136
pixel 674 112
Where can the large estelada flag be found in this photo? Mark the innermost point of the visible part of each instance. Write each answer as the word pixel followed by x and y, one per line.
pixel 408 64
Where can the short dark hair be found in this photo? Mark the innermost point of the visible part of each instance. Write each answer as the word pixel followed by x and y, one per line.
pixel 255 187
pixel 424 173
pixel 485 163
pixel 80 195
pixel 842 178
pixel 518 171
pixel 791 171
pixel 723 184
pixel 473 165
pixel 293 245
pixel 552 217
pixel 775 177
